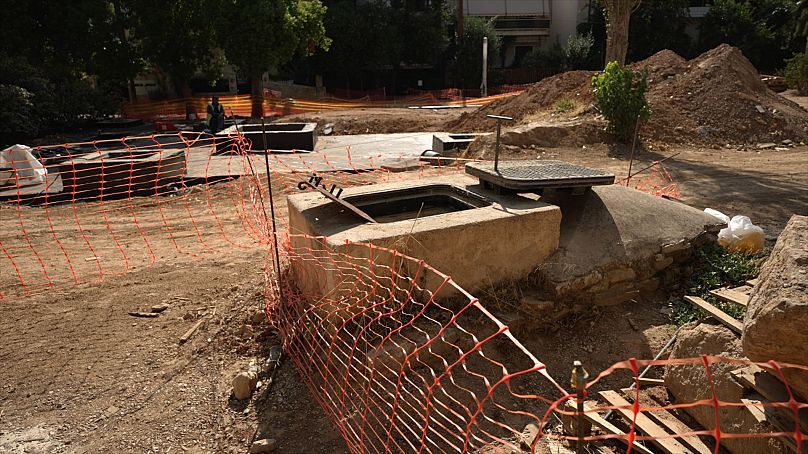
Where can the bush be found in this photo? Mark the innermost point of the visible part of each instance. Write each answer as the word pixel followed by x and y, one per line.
pixel 577 50
pixel 17 119
pixel 797 73
pixel 620 97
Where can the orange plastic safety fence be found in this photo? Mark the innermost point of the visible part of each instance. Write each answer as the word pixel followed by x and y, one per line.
pixel 241 105
pixel 397 354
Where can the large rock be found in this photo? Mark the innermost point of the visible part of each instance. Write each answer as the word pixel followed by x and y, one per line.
pixel 777 315
pixel 689 383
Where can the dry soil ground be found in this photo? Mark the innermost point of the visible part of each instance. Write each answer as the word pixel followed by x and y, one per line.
pixel 81 375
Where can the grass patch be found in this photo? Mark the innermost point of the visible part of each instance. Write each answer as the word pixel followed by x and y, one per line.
pixel 717 267
pixel 564 104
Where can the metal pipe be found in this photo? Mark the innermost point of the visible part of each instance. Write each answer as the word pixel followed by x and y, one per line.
pixel 272 209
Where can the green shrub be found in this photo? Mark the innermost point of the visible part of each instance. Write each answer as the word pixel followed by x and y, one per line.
pixel 716 267
pixel 564 104
pixel 620 97
pixel 797 73
pixel 577 50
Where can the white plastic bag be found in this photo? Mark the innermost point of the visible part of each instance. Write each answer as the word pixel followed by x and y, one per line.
pixel 740 234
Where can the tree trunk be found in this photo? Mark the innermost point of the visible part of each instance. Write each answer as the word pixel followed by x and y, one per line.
pixel 618 15
pixel 257 96
pixel 183 87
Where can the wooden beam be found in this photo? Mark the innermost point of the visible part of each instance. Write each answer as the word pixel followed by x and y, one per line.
pixel 753 282
pixel 675 425
pixel 606 426
pixel 644 424
pixel 716 313
pixel 731 296
pixel 772 390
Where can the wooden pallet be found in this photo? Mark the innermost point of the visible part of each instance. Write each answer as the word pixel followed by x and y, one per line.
pixel 767 389
pixel 735 295
pixel 654 424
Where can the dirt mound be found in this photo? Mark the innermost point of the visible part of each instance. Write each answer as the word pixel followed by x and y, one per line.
pixel 717 97
pixel 541 96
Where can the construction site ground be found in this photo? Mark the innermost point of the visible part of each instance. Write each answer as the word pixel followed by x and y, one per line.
pixel 81 375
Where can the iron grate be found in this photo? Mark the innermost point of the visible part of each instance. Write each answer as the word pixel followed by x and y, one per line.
pixel 538 174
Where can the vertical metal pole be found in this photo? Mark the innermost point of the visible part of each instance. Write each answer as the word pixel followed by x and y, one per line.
pixel 484 85
pixel 633 145
pixel 578 381
pixel 496 150
pixel 272 209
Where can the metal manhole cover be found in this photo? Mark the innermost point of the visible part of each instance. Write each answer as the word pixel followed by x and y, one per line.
pixel 533 175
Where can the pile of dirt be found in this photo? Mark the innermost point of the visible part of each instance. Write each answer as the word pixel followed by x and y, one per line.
pixel 720 97
pixel 717 97
pixel 541 96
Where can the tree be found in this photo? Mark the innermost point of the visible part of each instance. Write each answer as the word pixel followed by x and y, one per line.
pixel 618 16
pixel 178 38
pixel 762 29
pixel 658 25
pixel 258 35
pixel 468 62
pixel 801 29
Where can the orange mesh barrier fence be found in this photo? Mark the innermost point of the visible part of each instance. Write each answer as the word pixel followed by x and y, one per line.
pixel 655 180
pixel 399 356
pixel 241 105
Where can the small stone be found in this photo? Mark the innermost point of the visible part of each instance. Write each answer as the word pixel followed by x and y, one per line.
pixel 760 109
pixel 244 384
pixel 157 308
pixel 661 261
pixel 529 434
pixel 787 142
pixel 264 445
pixel 766 145
pixel 259 317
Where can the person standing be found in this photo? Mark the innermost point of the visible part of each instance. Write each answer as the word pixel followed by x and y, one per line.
pixel 215 115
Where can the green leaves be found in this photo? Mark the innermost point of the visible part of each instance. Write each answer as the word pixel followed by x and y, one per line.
pixel 797 73
pixel 620 96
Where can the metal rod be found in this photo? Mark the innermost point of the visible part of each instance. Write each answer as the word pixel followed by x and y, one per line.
pixel 496 151
pixel 633 145
pixel 499 119
pixel 578 381
pixel 272 210
pixel 648 367
pixel 653 164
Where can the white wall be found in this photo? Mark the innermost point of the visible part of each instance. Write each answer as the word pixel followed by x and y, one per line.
pixel 565 20
pixel 507 7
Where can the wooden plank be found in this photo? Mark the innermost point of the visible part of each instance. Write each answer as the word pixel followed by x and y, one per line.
pixel 716 313
pixel 644 424
pixel 745 289
pixel 730 296
pixel 645 381
pixel 772 390
pixel 606 426
pixel 753 282
pixel 675 425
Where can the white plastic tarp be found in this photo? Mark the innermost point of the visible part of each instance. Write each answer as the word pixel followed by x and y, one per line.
pixel 28 169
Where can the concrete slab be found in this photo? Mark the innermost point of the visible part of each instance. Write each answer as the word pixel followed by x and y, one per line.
pixel 333 154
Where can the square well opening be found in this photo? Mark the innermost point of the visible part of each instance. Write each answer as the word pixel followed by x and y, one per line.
pixel 418 202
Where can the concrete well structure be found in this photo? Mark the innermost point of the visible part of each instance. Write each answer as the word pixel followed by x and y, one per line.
pixel 278 136
pixel 491 239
